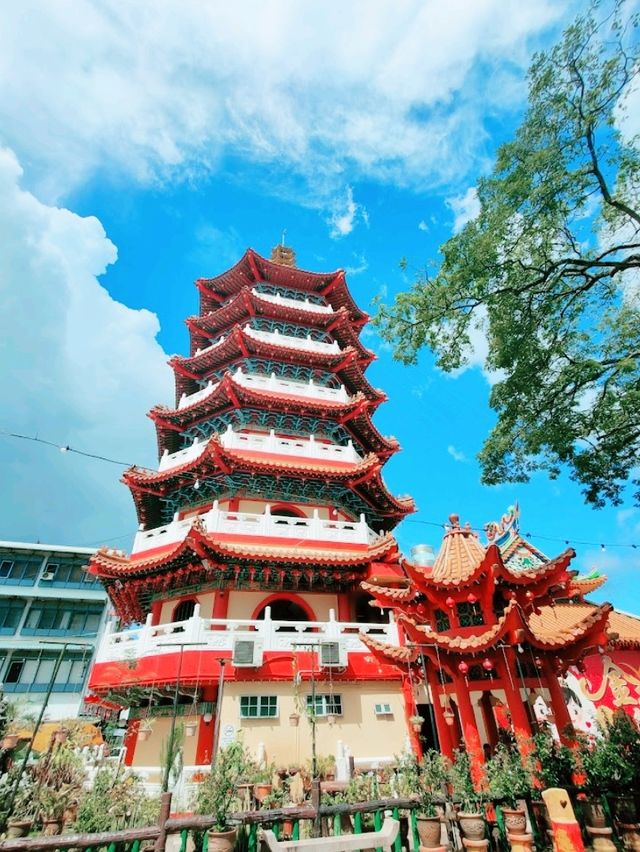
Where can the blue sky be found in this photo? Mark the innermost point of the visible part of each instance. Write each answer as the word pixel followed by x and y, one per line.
pixel 144 145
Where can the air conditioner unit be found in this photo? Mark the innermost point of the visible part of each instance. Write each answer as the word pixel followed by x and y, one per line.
pixel 48 576
pixel 247 653
pixel 332 655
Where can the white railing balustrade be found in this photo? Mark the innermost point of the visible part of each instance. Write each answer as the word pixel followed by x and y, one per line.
pixel 216 520
pixel 190 399
pixel 270 442
pixel 210 347
pixel 285 301
pixel 219 634
pixel 289 386
pixel 189 453
pixel 305 343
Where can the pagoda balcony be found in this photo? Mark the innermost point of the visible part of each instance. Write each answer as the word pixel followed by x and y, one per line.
pixel 273 384
pixel 218 522
pixel 305 344
pixel 286 302
pixel 219 635
pixel 270 442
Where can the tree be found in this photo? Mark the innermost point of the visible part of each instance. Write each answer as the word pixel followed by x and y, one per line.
pixel 549 270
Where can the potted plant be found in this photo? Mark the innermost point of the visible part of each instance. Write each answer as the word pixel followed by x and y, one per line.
pixel 470 816
pixel 551 764
pixel 190 728
pixel 21 819
pixel 53 802
pixel 145 729
pixel 426 779
pixel 217 795
pixel 416 723
pixel 510 782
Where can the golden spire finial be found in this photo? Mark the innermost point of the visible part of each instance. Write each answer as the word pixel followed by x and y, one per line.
pixel 282 254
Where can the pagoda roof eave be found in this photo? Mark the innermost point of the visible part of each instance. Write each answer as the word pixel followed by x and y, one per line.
pixel 253 268
pixel 206 550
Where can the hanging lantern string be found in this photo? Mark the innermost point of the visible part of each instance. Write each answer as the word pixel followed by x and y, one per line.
pixel 66 448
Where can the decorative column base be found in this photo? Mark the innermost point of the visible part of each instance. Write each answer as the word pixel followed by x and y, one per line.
pixel 520 842
pixel 601 839
pixel 432 848
pixel 478 845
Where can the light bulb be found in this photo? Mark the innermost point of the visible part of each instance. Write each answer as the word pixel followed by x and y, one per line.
pixel 196 484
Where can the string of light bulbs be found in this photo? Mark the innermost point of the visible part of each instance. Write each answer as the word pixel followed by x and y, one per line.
pixel 66 448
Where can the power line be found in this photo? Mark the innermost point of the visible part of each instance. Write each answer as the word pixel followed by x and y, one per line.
pixel 65 448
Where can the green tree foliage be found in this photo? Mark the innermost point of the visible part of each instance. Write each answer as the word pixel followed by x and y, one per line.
pixel 549 271
pixel 116 800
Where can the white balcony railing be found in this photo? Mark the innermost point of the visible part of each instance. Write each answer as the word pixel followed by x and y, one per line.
pixel 301 530
pixel 270 442
pixel 218 634
pixel 304 343
pixel 278 299
pixel 270 383
pixel 267 442
pixel 290 387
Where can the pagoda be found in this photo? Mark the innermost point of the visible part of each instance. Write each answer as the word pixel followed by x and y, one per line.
pixel 241 605
pixel 490 630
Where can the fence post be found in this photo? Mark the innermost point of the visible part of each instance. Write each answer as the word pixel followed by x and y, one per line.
pixel 165 811
pixel 315 802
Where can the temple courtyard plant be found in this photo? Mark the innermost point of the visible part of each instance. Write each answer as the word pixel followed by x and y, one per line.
pixel 217 796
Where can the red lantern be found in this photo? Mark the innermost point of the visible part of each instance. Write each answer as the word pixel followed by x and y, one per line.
pixel 450 602
pixel 471 598
pixel 463 667
pixel 487 665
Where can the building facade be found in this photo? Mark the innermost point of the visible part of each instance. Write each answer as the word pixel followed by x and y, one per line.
pixel 268 509
pixel 46 599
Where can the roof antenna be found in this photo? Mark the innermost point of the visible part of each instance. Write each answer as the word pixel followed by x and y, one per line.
pixel 284 233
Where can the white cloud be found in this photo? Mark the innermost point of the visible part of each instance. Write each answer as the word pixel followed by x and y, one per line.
pixel 422 225
pixel 79 368
pixel 156 91
pixel 456 455
pixel 360 265
pixel 344 215
pixel 465 208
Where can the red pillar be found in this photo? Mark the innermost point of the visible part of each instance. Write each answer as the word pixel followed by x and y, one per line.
pixel 510 682
pixel 220 604
pixel 205 742
pixel 470 731
pixel 444 730
pixel 558 704
pixel 344 607
pixel 409 710
pixel 130 740
pixel 156 609
pixel 489 719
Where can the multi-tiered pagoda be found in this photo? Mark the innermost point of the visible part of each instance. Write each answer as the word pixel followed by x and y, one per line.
pixel 266 513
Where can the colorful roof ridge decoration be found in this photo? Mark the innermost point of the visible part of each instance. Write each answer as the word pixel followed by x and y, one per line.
pixel 517 552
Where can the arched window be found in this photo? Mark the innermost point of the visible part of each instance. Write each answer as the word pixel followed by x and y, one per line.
pixel 287 512
pixel 284 609
pixel 184 610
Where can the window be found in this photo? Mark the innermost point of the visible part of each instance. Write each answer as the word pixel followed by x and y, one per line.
pixel 10 611
pixel 55 618
pixel 33 673
pixel 184 610
pixel 442 621
pixel 14 671
pixel 50 571
pixel 383 710
pixel 67 572
pixel 469 614
pixel 258 706
pixel 20 572
pixel 325 705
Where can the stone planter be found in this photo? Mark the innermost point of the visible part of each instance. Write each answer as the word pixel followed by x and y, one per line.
pixel 429 831
pixel 144 734
pixel 18 828
pixel 261 791
pixel 221 841
pixel 515 820
pixel 472 826
pixel 594 813
pixel 51 827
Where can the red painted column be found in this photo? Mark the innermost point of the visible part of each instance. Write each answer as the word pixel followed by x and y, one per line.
pixel 130 740
pixel 205 742
pixel 344 607
pixel 220 604
pixel 156 609
pixel 444 730
pixel 489 719
pixel 510 682
pixel 558 704
pixel 470 731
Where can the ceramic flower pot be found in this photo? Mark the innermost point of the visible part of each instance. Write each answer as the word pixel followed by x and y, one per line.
pixel 221 841
pixel 144 734
pixel 261 791
pixel 51 826
pixel 515 820
pixel 429 830
pixel 18 828
pixel 472 826
pixel 294 720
